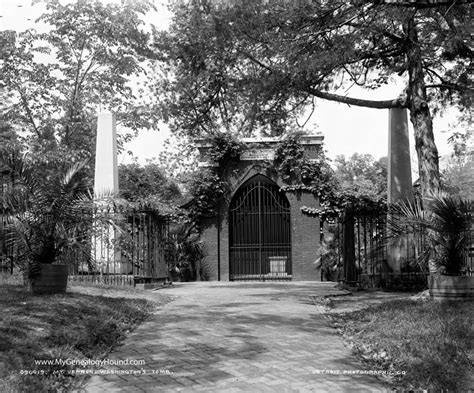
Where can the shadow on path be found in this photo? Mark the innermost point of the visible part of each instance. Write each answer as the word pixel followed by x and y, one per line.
pixel 251 337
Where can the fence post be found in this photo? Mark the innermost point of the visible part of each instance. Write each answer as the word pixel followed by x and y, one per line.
pixel 348 245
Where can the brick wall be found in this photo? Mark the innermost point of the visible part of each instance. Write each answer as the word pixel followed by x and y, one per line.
pixel 224 244
pixel 210 247
pixel 304 228
pixel 305 237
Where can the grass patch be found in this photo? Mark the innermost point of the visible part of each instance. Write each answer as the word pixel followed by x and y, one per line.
pixel 85 323
pixel 431 342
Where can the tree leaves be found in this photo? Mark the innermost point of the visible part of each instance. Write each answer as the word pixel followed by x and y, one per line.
pixel 59 79
pixel 139 183
pixel 252 67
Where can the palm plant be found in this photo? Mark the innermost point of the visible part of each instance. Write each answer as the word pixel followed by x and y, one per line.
pixel 43 212
pixel 444 225
pixel 185 250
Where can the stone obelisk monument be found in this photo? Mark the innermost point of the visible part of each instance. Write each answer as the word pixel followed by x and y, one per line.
pixel 106 186
pixel 106 169
pixel 400 186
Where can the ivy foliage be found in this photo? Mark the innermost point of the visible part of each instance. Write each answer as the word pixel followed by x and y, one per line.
pixel 207 189
pixel 225 148
pixel 340 201
pixel 337 190
pixel 301 173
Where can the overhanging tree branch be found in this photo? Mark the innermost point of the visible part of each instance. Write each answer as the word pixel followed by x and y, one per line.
pixel 400 102
pixel 446 85
pixel 420 4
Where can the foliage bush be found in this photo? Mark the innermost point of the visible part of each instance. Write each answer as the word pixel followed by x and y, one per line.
pixel 185 252
pixel 444 221
pixel 43 211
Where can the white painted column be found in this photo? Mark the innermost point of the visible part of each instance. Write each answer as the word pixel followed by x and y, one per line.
pixel 400 185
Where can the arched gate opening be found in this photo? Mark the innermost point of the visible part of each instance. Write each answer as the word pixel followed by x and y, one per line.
pixel 259 232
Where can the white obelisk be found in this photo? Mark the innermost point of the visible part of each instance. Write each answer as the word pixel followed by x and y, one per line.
pixel 106 169
pixel 106 186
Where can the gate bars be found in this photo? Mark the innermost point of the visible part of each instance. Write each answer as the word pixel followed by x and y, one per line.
pixel 358 254
pixel 128 246
pixel 260 240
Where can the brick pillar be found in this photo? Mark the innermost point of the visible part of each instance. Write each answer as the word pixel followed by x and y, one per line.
pixel 209 238
pixel 304 237
pixel 224 244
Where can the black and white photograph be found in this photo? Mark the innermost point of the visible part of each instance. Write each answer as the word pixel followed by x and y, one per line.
pixel 236 196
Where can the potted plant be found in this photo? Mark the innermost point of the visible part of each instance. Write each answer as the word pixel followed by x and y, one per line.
pixel 445 225
pixel 42 214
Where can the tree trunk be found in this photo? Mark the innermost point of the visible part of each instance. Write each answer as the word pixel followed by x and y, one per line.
pixel 420 116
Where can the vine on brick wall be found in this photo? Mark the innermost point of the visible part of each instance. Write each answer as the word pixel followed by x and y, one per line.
pixel 317 177
pixel 225 148
pixel 298 172
pixel 207 189
pixel 331 209
pixel 301 173
pixel 209 186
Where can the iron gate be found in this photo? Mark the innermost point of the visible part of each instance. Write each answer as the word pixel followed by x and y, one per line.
pixel 259 226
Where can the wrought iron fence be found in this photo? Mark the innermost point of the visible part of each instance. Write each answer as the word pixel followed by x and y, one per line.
pixel 358 251
pixel 117 246
pixel 127 247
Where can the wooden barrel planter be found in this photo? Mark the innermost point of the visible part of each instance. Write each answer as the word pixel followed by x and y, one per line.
pixel 459 288
pixel 52 279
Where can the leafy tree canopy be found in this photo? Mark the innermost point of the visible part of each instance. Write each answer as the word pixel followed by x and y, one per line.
pixel 146 183
pixel 57 80
pixel 250 66
pixel 458 175
pixel 360 175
